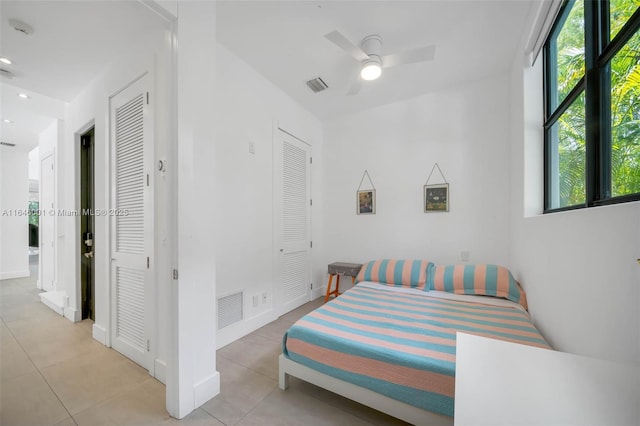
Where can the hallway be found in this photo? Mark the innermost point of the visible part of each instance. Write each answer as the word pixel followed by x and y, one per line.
pixel 54 373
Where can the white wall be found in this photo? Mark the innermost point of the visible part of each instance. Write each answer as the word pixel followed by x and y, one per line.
pixel 247 108
pixel 34 164
pixel 34 174
pixel 48 139
pixel 463 130
pixel 14 203
pixel 578 267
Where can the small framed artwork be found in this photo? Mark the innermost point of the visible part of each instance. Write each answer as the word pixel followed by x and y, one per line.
pixel 366 201
pixel 436 198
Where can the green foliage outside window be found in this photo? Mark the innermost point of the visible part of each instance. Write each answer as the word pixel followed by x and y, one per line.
pixel 33 213
pixel 568 133
pixel 570 48
pixel 625 119
pixel 572 154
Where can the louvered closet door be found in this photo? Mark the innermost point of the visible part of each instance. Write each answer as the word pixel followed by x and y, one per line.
pixel 131 239
pixel 293 229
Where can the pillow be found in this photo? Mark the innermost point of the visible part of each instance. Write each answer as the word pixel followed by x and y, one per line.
pixel 480 279
pixel 396 273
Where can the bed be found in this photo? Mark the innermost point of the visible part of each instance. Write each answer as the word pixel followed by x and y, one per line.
pixel 390 343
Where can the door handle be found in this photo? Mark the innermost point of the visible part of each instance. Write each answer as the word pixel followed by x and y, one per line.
pixel 89 254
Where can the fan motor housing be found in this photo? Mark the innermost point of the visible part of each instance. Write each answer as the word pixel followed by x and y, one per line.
pixel 372 45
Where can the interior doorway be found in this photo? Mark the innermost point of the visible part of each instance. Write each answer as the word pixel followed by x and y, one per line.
pixel 87 236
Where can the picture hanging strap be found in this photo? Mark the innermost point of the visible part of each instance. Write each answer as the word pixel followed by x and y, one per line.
pixel 439 170
pixel 366 173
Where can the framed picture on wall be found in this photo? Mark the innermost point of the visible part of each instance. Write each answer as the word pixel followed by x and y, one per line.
pixel 436 198
pixel 366 201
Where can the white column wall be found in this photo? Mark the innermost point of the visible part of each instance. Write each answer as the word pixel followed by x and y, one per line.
pixel 193 378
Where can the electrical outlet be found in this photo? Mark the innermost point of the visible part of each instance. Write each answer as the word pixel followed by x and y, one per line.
pixel 464 255
pixel 256 301
pixel 265 296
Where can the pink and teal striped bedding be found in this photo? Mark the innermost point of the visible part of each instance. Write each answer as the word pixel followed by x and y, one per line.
pixel 397 273
pixel 397 344
pixel 480 279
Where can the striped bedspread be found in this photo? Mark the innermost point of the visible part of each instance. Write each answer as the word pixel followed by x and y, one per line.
pixel 397 344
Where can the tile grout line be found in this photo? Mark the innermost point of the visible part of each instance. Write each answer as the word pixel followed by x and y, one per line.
pixel 208 414
pixel 39 372
pixel 248 368
pixel 112 397
pixel 257 404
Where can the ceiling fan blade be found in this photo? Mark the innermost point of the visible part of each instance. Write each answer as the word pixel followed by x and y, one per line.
pixel 420 54
pixel 342 42
pixel 355 87
pixel 356 84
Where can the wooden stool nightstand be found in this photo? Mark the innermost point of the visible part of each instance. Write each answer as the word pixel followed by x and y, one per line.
pixel 338 269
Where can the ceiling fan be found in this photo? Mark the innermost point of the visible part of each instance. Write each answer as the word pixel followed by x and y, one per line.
pixel 369 54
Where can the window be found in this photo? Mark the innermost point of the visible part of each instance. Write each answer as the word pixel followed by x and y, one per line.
pixel 592 105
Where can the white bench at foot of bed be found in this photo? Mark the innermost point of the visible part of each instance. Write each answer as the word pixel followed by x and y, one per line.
pixel 387 405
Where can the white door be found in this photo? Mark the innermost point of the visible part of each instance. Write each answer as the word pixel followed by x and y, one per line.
pixel 292 209
pixel 46 224
pixel 131 222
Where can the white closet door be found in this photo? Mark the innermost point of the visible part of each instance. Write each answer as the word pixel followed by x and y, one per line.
pixel 131 236
pixel 293 222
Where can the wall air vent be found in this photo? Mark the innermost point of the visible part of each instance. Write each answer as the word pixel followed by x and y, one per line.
pixel 317 85
pixel 3 143
pixel 229 310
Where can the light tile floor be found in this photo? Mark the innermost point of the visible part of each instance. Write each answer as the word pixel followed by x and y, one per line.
pixel 52 372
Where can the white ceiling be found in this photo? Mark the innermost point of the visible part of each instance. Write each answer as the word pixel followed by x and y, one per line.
pixel 285 42
pixel 74 41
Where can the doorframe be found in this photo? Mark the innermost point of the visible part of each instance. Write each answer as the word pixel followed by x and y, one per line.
pixel 81 214
pixel 76 311
pixel 54 249
pixel 276 272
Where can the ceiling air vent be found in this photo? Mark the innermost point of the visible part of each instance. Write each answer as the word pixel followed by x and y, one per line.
pixel 6 73
pixel 3 143
pixel 21 27
pixel 317 85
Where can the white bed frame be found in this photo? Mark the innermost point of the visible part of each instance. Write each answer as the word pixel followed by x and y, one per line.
pixel 395 408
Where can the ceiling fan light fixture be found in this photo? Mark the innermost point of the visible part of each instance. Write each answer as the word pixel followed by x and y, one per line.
pixel 371 70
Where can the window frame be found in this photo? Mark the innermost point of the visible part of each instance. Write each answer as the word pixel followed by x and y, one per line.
pixel 595 84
